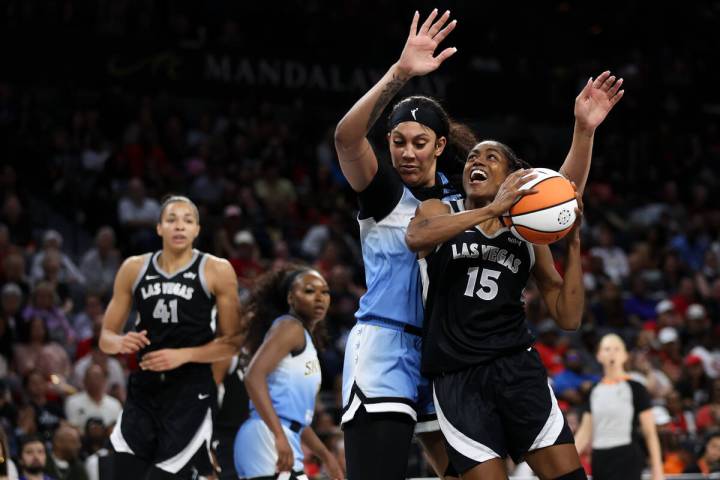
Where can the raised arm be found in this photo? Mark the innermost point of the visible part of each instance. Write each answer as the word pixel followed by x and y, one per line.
pixel 591 107
pixel 434 224
pixel 112 341
pixel 222 282
pixel 564 297
pixel 285 336
pixel 357 159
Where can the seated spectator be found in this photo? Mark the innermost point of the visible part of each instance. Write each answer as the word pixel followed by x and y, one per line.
pixel 64 462
pixel 708 416
pixel 95 437
pixel 14 272
pixel 682 418
pixel 670 353
pixel 100 264
pixel 8 470
pixel 246 264
pixel 32 459
pixel 639 304
pixel 709 461
pixel 47 413
pixel 694 385
pixel 549 347
pixel 51 266
pixel 10 300
pixel 83 322
pixel 37 352
pixel 93 402
pixel 17 221
pixel 614 258
pixel 642 370
pixel 572 384
pixel 138 216
pixel 115 376
pixel 68 271
pixel 44 305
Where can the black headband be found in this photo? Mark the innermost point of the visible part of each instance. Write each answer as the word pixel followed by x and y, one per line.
pixel 425 115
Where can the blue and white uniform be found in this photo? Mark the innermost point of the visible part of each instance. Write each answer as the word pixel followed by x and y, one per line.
pixel 382 356
pixel 293 386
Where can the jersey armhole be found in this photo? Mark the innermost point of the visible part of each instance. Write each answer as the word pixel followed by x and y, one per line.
pixel 382 195
pixel 141 272
pixel 201 273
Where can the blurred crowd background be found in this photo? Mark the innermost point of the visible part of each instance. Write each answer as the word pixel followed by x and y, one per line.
pixel 107 106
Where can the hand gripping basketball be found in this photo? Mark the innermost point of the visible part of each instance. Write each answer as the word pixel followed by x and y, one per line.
pixel 511 190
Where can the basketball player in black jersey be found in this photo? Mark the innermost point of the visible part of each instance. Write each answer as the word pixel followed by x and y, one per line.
pixel 165 428
pixel 490 388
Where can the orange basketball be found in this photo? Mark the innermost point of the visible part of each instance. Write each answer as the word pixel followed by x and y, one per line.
pixel 549 214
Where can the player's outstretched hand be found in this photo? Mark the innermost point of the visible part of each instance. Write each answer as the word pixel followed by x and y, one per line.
pixel 163 360
pixel 510 190
pixel 286 459
pixel 418 56
pixel 596 100
pixel 133 341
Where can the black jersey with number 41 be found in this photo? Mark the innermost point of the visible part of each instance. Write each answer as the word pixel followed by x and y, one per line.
pixel 176 310
pixel 473 286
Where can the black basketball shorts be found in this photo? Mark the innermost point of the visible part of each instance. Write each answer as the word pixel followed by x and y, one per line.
pixel 167 419
pixel 504 407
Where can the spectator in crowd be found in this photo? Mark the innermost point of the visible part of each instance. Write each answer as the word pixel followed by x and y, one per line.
pixel 708 416
pixel 83 322
pixel 694 385
pixel 100 264
pixel 67 272
pixel 44 306
pixel 116 379
pixel 47 413
pixel 246 264
pixel 14 272
pixel 93 402
pixel 32 459
pixel 17 221
pixel 96 435
pixel 36 351
pixel 614 258
pixel 10 302
pixel 572 384
pixel 709 461
pixel 550 347
pixel 64 462
pixel 138 216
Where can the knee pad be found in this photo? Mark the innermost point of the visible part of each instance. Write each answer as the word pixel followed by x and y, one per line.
pixel 578 474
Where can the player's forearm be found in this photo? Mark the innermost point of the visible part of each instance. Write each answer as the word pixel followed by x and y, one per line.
pixel 214 351
pixel 257 388
pixel 313 442
pixel 427 233
pixel 110 342
pixel 571 301
pixel 357 122
pixel 577 163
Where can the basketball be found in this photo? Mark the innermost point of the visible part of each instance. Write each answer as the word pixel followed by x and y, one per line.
pixel 546 216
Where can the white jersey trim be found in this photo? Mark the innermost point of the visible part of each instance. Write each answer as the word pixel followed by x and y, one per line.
pixel 203 435
pixel 463 444
pixel 141 273
pixel 117 440
pixel 201 272
pixel 552 428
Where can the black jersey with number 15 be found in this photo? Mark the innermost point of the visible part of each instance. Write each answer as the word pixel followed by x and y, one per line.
pixel 176 310
pixel 473 286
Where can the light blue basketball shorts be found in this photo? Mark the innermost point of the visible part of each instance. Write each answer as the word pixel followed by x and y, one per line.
pixel 382 373
pixel 254 450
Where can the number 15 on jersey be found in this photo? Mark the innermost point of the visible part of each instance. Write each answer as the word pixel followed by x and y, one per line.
pixel 488 283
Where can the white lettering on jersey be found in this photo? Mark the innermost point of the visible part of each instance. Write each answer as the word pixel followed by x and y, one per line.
pixel 167 288
pixel 488 252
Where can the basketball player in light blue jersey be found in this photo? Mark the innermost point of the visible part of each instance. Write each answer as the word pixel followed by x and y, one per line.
pixel 384 395
pixel 284 377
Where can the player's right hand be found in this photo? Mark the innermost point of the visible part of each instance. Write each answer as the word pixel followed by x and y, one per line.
pixel 510 190
pixel 286 458
pixel 417 56
pixel 133 341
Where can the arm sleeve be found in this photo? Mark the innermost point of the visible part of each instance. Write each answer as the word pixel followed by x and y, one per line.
pixel 641 397
pixel 382 194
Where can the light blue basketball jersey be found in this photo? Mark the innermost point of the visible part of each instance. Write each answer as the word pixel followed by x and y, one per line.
pixel 294 384
pixel 392 274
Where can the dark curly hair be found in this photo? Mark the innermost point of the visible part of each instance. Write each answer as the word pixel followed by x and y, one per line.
pixel 269 301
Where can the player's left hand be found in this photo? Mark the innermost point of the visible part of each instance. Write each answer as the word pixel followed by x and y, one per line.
pixel 333 468
pixel 163 360
pixel 596 100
